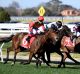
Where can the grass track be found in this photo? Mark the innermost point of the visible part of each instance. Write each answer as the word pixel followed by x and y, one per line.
pixel 31 69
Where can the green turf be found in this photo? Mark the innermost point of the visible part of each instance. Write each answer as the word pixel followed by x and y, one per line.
pixel 31 69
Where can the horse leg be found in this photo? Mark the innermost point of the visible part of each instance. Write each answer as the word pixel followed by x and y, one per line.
pixel 62 57
pixel 42 56
pixel 48 56
pixel 44 60
pixel 38 59
pixel 30 58
pixel 7 57
pixel 15 53
pixel 65 56
pixel 69 56
pixel 38 62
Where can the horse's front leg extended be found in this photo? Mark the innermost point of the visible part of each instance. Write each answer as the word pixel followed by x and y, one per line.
pixel 69 56
pixel 38 61
pixel 48 56
pixel 7 57
pixel 42 56
pixel 64 56
pixel 62 59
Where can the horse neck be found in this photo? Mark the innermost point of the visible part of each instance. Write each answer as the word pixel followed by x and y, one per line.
pixel 44 37
pixel 47 34
pixel 61 34
pixel 52 35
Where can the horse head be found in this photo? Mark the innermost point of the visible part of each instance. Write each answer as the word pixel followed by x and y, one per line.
pixel 64 31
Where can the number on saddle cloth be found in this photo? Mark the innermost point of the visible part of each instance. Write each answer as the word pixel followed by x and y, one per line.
pixel 25 43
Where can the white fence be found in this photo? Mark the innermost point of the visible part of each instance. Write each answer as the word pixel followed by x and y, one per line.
pixel 9 28
pixel 47 18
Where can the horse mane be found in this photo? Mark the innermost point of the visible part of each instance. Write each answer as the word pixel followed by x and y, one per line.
pixel 65 31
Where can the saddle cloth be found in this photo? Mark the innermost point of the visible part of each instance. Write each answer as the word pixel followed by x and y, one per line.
pixel 25 43
pixel 68 42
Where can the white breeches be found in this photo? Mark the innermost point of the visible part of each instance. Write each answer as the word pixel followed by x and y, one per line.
pixel 37 31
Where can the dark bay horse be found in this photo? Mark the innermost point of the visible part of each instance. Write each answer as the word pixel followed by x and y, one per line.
pixel 36 46
pixel 50 47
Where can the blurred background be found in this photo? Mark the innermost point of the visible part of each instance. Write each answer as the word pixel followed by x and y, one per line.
pixel 27 10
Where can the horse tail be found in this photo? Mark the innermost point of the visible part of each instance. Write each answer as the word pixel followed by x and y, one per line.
pixel 6 39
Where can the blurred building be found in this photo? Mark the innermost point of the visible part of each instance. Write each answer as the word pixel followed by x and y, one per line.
pixel 70 12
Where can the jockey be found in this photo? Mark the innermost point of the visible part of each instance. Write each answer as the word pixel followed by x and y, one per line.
pixel 55 25
pixel 36 27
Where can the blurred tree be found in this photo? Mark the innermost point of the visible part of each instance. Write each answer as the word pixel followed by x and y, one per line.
pixel 55 6
pixel 52 8
pixel 11 11
pixel 14 9
pixel 30 12
pixel 4 16
pixel 1 9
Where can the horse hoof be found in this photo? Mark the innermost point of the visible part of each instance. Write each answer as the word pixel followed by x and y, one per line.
pixel 4 62
pixel 40 63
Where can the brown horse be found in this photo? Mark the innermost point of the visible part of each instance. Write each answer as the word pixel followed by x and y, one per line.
pixel 15 44
pixel 36 46
pixel 67 47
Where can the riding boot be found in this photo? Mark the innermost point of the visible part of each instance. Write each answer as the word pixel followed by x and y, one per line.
pixel 28 38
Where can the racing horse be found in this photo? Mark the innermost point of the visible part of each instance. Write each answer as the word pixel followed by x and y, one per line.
pixel 68 46
pixel 36 46
pixel 50 47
